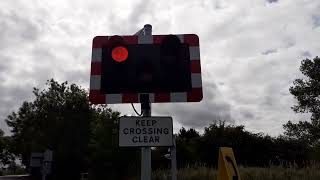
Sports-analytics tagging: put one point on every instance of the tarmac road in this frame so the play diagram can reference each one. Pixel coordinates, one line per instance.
(15, 177)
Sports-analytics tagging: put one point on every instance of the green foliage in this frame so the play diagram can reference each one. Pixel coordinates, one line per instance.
(251, 149)
(6, 156)
(247, 146)
(307, 93)
(82, 136)
(107, 160)
(58, 119)
(187, 146)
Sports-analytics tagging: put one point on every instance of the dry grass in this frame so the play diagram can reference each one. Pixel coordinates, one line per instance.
(247, 173)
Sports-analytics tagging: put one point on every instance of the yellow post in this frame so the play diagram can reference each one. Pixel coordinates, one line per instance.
(227, 165)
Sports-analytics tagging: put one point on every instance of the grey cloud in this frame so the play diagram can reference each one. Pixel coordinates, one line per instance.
(269, 100)
(207, 114)
(316, 21)
(17, 29)
(306, 54)
(272, 1)
(198, 115)
(11, 97)
(269, 51)
(247, 115)
(17, 82)
(210, 91)
(139, 11)
(79, 77)
(273, 92)
(42, 53)
(217, 4)
(284, 93)
(50, 65)
(232, 40)
(289, 42)
(6, 62)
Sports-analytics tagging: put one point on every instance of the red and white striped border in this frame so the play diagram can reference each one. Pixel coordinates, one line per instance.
(195, 95)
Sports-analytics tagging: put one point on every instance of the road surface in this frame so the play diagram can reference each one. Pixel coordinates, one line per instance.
(15, 177)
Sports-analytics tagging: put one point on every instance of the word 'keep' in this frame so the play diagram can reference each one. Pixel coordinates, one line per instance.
(145, 122)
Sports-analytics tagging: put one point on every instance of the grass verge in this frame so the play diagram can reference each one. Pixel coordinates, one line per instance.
(247, 173)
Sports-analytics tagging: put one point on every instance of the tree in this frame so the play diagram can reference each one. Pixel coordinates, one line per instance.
(81, 135)
(106, 159)
(187, 147)
(5, 150)
(307, 93)
(58, 119)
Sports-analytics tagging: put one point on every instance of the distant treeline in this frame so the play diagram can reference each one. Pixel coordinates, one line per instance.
(251, 149)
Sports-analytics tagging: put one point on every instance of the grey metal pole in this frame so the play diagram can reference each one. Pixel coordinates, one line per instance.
(146, 112)
(145, 151)
(145, 31)
(173, 159)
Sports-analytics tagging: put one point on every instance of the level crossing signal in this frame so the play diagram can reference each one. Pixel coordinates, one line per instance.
(167, 67)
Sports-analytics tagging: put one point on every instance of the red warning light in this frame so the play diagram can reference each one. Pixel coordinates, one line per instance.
(119, 54)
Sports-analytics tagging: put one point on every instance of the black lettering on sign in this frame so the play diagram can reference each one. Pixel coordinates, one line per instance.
(157, 139)
(148, 122)
(125, 131)
(131, 130)
(151, 140)
(144, 130)
(134, 139)
(143, 122)
(150, 130)
(154, 122)
(138, 123)
(159, 131)
(146, 139)
(138, 131)
(166, 130)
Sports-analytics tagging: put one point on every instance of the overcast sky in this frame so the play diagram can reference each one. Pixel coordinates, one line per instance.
(250, 52)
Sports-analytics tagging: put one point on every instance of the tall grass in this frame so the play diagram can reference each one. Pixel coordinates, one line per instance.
(311, 172)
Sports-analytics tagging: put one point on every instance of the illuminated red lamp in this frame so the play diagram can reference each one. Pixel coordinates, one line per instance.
(119, 54)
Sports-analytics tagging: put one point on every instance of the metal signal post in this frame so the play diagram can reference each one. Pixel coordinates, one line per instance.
(146, 112)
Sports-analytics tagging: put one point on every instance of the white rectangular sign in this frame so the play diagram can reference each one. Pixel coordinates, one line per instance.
(145, 131)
